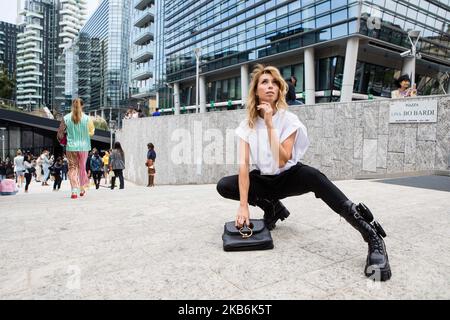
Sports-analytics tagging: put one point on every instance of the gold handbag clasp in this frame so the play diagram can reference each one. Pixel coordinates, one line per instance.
(244, 234)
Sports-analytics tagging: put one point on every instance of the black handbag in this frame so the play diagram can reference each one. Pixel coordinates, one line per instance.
(253, 237)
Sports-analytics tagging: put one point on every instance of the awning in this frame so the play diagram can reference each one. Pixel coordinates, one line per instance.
(45, 123)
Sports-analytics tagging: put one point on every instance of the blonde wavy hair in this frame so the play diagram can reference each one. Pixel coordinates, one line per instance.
(77, 110)
(253, 100)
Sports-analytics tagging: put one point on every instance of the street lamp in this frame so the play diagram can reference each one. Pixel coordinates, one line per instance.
(413, 37)
(3, 143)
(112, 126)
(197, 52)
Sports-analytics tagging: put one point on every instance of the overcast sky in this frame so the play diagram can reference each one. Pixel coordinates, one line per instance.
(8, 12)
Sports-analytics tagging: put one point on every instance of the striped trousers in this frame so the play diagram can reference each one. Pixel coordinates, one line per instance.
(77, 170)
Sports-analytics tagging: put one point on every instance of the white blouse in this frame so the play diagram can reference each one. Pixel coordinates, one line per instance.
(285, 123)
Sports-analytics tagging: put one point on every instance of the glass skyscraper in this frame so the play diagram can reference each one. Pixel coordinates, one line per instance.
(97, 69)
(338, 50)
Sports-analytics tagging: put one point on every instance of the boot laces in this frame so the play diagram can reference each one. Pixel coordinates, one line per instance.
(375, 243)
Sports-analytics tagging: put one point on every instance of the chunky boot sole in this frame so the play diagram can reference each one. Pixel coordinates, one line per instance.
(376, 272)
(281, 215)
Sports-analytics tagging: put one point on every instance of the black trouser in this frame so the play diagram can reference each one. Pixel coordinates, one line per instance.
(299, 179)
(97, 175)
(57, 182)
(117, 173)
(28, 177)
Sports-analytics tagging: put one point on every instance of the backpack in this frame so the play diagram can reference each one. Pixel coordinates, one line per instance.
(96, 163)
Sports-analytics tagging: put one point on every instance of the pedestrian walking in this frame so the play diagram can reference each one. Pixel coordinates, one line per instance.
(56, 170)
(46, 163)
(19, 168)
(96, 165)
(65, 168)
(105, 159)
(80, 128)
(30, 168)
(117, 164)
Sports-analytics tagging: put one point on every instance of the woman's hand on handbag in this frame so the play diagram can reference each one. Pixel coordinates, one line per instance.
(242, 217)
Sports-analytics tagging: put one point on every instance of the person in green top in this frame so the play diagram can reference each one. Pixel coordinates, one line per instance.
(79, 128)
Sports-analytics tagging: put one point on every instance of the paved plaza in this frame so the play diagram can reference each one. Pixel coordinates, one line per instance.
(165, 243)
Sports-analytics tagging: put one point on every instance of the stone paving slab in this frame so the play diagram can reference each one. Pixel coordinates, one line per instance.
(165, 243)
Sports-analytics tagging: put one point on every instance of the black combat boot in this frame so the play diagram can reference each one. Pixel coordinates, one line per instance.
(273, 210)
(360, 217)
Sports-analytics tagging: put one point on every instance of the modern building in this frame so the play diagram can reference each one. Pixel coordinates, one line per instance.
(8, 50)
(164, 98)
(49, 26)
(338, 50)
(142, 51)
(100, 63)
(71, 18)
(36, 54)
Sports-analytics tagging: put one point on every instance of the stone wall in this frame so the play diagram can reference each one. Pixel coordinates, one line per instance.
(348, 140)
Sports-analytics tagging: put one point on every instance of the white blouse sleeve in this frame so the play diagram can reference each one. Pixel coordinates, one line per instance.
(243, 131)
(301, 144)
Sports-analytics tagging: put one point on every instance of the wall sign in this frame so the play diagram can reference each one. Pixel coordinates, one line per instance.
(413, 111)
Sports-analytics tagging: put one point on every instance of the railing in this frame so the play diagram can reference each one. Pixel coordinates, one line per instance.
(148, 30)
(138, 19)
(143, 3)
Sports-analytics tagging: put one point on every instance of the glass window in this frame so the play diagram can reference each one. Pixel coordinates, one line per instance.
(322, 21)
(352, 27)
(339, 16)
(325, 34)
(282, 11)
(323, 7)
(338, 3)
(282, 23)
(295, 18)
(270, 15)
(339, 31)
(294, 6)
(271, 27)
(260, 30)
(308, 13)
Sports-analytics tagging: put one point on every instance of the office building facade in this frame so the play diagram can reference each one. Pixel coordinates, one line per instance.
(8, 50)
(339, 50)
(99, 61)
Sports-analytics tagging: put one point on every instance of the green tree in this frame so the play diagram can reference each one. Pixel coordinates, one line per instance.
(100, 123)
(6, 85)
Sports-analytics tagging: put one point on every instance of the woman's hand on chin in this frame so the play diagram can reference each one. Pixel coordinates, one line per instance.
(267, 111)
